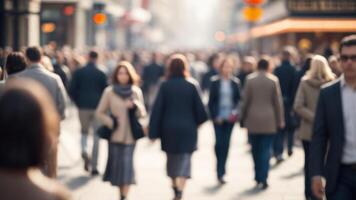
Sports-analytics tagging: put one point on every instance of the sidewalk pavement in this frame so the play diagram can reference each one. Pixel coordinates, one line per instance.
(285, 180)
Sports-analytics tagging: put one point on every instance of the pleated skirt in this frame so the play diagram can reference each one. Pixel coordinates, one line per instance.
(119, 168)
(179, 165)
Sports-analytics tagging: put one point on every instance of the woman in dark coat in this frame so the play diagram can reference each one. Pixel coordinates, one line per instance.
(176, 115)
(223, 106)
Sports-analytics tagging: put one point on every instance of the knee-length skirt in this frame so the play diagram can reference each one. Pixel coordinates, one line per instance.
(179, 165)
(119, 168)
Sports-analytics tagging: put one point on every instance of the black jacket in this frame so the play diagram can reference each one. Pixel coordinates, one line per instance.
(177, 112)
(214, 96)
(87, 85)
(151, 75)
(328, 139)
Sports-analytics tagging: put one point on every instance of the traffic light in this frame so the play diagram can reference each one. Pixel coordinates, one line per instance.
(99, 16)
(252, 12)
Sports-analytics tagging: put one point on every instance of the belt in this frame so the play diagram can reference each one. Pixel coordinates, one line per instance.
(350, 166)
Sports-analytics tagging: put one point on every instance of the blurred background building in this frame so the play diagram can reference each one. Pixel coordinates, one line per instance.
(310, 25)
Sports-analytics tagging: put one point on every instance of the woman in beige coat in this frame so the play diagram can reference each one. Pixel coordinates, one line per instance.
(305, 105)
(262, 113)
(116, 100)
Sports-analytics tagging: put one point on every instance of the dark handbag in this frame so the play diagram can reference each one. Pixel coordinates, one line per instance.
(105, 132)
(136, 127)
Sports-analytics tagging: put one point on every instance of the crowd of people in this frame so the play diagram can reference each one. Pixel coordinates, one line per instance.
(314, 98)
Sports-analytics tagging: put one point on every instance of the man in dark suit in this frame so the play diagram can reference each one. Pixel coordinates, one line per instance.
(287, 76)
(333, 146)
(86, 87)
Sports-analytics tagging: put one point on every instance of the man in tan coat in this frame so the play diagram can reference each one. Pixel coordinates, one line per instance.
(262, 114)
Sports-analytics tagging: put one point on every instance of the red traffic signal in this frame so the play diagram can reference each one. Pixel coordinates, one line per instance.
(99, 18)
(254, 2)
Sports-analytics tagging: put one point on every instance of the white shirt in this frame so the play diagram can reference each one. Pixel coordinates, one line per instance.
(348, 96)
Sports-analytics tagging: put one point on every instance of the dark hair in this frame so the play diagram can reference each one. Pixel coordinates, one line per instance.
(29, 123)
(15, 62)
(212, 58)
(133, 76)
(178, 66)
(263, 64)
(348, 41)
(34, 54)
(93, 55)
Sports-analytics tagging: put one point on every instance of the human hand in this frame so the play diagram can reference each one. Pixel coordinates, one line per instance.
(318, 187)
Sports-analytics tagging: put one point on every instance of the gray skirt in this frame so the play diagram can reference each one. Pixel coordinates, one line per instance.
(179, 165)
(119, 168)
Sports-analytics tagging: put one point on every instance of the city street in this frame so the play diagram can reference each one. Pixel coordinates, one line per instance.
(286, 180)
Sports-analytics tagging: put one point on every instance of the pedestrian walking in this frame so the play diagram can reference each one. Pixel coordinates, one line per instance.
(223, 105)
(54, 86)
(150, 77)
(333, 145)
(287, 76)
(112, 111)
(29, 130)
(213, 64)
(86, 88)
(305, 106)
(262, 113)
(177, 113)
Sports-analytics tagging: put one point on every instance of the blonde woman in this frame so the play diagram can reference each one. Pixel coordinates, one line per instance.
(305, 106)
(117, 99)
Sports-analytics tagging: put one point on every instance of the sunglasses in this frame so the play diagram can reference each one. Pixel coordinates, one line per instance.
(345, 58)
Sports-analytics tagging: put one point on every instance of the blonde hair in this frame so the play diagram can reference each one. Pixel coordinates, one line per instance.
(320, 69)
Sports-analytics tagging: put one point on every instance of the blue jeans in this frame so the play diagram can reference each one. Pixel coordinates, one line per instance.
(261, 153)
(346, 186)
(222, 144)
(278, 142)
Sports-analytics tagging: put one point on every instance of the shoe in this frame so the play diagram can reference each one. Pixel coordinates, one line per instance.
(221, 181)
(290, 153)
(264, 186)
(279, 160)
(94, 172)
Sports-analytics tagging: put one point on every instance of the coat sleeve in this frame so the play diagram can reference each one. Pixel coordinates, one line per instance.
(139, 102)
(156, 115)
(212, 101)
(101, 112)
(73, 87)
(278, 103)
(199, 110)
(61, 97)
(300, 105)
(319, 139)
(246, 97)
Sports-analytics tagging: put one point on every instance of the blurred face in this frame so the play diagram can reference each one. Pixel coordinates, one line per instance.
(216, 62)
(123, 76)
(348, 62)
(227, 69)
(247, 67)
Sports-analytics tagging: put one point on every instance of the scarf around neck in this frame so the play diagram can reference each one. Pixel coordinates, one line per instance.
(123, 91)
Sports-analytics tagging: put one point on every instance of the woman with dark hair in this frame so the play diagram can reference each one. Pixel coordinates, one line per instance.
(262, 113)
(29, 131)
(213, 63)
(15, 62)
(223, 103)
(112, 111)
(177, 113)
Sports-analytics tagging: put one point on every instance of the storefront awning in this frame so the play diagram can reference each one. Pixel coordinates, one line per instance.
(293, 25)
